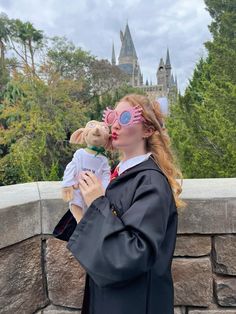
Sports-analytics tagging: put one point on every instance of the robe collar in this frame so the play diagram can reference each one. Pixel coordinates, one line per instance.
(148, 164)
(124, 165)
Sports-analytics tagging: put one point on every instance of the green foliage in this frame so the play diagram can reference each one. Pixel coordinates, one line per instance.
(42, 104)
(38, 120)
(68, 60)
(202, 125)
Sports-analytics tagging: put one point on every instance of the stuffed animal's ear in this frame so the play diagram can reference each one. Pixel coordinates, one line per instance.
(77, 137)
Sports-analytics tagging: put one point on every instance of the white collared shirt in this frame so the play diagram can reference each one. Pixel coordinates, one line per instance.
(124, 165)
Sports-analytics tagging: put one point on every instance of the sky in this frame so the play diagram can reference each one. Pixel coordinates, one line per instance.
(180, 25)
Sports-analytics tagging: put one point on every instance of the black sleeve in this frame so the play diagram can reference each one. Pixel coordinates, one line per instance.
(115, 249)
(65, 227)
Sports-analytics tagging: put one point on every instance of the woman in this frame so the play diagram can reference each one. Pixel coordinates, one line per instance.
(126, 238)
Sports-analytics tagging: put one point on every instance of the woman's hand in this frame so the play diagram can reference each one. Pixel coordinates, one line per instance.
(90, 187)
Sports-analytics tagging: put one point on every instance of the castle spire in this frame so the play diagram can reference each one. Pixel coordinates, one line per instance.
(161, 64)
(128, 60)
(127, 45)
(168, 69)
(113, 57)
(176, 81)
(168, 65)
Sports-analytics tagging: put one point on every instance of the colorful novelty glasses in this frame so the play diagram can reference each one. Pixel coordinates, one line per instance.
(127, 117)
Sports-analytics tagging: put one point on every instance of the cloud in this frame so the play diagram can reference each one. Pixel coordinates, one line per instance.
(155, 25)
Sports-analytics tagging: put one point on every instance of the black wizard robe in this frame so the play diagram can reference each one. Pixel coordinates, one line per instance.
(125, 242)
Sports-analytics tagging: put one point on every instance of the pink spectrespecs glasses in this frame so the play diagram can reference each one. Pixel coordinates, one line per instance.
(126, 117)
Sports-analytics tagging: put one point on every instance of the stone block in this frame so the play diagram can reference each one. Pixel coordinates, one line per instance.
(212, 216)
(225, 290)
(20, 222)
(192, 279)
(179, 310)
(192, 245)
(53, 309)
(65, 275)
(225, 254)
(52, 205)
(22, 285)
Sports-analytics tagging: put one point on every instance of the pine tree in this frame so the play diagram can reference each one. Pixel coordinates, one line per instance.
(203, 123)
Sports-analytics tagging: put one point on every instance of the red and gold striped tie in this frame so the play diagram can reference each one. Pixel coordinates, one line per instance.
(115, 173)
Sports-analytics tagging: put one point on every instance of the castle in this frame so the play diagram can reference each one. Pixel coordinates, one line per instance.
(166, 86)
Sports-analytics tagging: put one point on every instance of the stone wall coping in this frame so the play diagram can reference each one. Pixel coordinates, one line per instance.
(33, 208)
(17, 194)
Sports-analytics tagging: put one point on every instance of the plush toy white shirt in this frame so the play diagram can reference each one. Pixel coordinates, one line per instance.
(85, 161)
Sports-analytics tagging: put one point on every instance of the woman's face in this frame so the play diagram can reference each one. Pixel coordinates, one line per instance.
(126, 137)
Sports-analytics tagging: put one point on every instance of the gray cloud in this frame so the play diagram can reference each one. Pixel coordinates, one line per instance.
(155, 25)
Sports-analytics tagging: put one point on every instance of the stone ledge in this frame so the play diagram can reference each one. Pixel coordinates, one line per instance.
(209, 188)
(29, 209)
(193, 189)
(19, 222)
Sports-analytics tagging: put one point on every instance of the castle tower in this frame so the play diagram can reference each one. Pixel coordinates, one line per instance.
(161, 75)
(128, 60)
(113, 56)
(166, 86)
(168, 69)
(173, 90)
(176, 82)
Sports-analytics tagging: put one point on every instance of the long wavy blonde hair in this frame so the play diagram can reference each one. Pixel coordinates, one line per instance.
(159, 142)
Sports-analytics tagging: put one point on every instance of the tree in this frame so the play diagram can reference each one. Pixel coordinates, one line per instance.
(4, 33)
(203, 122)
(43, 101)
(29, 38)
(97, 76)
(37, 121)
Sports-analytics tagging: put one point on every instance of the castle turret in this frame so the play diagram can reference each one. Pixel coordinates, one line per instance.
(128, 60)
(172, 81)
(176, 84)
(161, 74)
(127, 51)
(113, 56)
(141, 78)
(168, 69)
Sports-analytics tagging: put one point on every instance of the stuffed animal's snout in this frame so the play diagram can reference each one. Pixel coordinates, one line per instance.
(97, 131)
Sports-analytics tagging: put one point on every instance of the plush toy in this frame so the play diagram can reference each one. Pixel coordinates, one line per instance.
(91, 158)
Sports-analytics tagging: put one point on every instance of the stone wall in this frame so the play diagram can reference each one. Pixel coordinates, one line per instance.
(39, 275)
